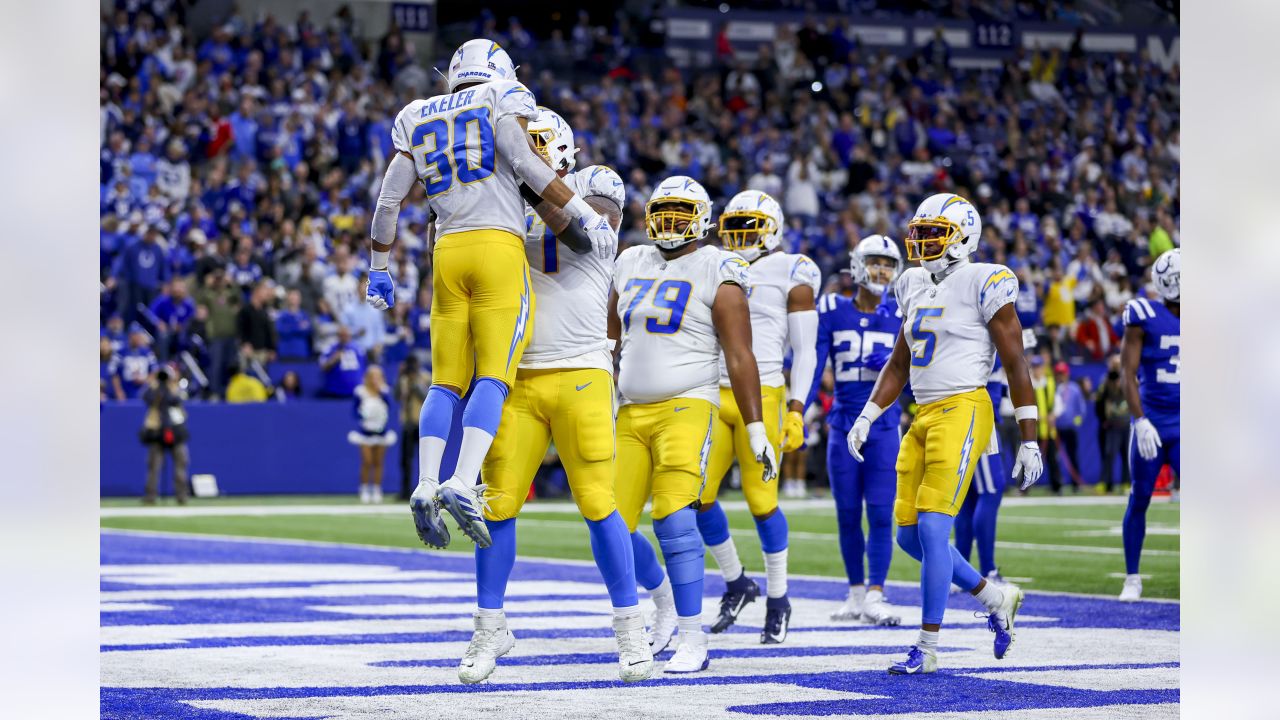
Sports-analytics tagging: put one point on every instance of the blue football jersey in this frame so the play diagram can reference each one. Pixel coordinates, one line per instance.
(858, 345)
(1159, 376)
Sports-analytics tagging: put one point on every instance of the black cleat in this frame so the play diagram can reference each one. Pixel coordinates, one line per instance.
(777, 618)
(737, 595)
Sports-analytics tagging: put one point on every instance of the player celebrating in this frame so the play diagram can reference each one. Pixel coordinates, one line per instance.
(563, 393)
(858, 334)
(669, 306)
(1152, 386)
(470, 150)
(957, 314)
(781, 303)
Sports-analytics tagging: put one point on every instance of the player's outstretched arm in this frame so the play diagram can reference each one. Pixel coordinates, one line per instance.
(732, 319)
(893, 377)
(1006, 332)
(396, 184)
(569, 232)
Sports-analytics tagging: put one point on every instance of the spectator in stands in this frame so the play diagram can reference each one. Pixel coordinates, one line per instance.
(1042, 383)
(342, 287)
(221, 301)
(114, 333)
(290, 386)
(411, 391)
(1095, 333)
(143, 269)
(109, 387)
(244, 387)
(137, 363)
(1069, 409)
(172, 311)
(367, 324)
(373, 433)
(293, 328)
(255, 331)
(1112, 410)
(343, 366)
(1059, 299)
(766, 180)
(420, 326)
(164, 430)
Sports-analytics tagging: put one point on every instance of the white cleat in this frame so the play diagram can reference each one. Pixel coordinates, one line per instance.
(491, 641)
(691, 655)
(665, 622)
(852, 608)
(1132, 588)
(635, 659)
(466, 503)
(877, 611)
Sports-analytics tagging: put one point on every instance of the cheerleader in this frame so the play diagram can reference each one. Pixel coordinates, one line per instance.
(372, 436)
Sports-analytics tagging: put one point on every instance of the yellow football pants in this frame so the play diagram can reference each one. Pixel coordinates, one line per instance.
(662, 452)
(729, 437)
(482, 307)
(573, 408)
(939, 453)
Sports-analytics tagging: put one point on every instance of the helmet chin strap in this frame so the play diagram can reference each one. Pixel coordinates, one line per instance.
(951, 264)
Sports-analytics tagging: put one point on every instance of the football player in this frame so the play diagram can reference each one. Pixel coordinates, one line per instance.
(563, 394)
(781, 300)
(1153, 388)
(956, 316)
(674, 306)
(857, 334)
(470, 150)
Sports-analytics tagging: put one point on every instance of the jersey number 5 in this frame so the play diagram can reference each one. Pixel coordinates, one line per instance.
(922, 340)
(451, 154)
(671, 295)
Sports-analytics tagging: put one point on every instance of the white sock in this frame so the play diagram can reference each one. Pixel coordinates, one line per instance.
(726, 555)
(690, 627)
(991, 596)
(928, 640)
(857, 594)
(662, 595)
(475, 445)
(874, 596)
(775, 573)
(430, 453)
(1133, 578)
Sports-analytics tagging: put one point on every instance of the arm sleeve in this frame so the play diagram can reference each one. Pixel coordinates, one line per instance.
(999, 288)
(822, 349)
(802, 330)
(396, 184)
(513, 144)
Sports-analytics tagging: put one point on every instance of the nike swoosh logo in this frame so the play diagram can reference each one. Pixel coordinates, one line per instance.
(580, 387)
(686, 407)
(638, 662)
(947, 410)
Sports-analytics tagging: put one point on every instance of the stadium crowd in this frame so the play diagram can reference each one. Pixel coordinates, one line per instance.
(239, 170)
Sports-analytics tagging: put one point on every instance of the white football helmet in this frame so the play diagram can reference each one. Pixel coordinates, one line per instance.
(751, 224)
(1166, 275)
(874, 246)
(553, 139)
(685, 214)
(479, 60)
(943, 233)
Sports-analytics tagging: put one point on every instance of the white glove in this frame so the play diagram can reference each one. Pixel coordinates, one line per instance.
(1148, 438)
(604, 239)
(1029, 463)
(857, 436)
(763, 450)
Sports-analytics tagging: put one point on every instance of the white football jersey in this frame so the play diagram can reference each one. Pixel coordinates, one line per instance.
(452, 140)
(773, 276)
(945, 326)
(669, 343)
(570, 328)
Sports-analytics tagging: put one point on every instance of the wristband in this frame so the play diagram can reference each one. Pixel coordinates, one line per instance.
(578, 208)
(871, 412)
(378, 260)
(755, 431)
(1026, 412)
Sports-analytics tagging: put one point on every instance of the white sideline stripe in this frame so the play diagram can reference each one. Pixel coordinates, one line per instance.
(130, 607)
(543, 560)
(1116, 531)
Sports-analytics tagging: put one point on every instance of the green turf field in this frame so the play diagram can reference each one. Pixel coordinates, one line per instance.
(1045, 546)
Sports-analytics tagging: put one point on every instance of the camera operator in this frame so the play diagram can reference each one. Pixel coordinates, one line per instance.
(164, 429)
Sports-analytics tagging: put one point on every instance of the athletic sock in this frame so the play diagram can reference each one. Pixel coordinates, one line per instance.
(928, 639)
(662, 593)
(936, 564)
(775, 572)
(879, 542)
(611, 548)
(690, 627)
(622, 613)
(726, 555)
(648, 571)
(991, 596)
(494, 564)
(434, 421)
(479, 425)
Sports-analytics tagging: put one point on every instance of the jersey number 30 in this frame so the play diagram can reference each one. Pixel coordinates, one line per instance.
(451, 154)
(670, 295)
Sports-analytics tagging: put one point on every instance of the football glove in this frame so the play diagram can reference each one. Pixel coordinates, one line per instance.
(1149, 442)
(1029, 463)
(763, 450)
(382, 291)
(858, 435)
(604, 239)
(877, 359)
(792, 431)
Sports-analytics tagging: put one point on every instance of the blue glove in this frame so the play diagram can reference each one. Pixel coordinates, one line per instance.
(878, 359)
(382, 292)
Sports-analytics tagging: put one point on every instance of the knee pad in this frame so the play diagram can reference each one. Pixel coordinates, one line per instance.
(436, 415)
(681, 545)
(713, 524)
(909, 541)
(772, 532)
(484, 409)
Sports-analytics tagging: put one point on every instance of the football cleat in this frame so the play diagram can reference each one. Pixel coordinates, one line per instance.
(737, 595)
(852, 608)
(426, 515)
(777, 618)
(1132, 589)
(664, 624)
(995, 577)
(467, 506)
(491, 641)
(691, 655)
(1000, 622)
(919, 661)
(878, 611)
(635, 658)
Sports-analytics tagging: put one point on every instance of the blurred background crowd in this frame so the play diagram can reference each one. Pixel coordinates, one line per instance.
(239, 169)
